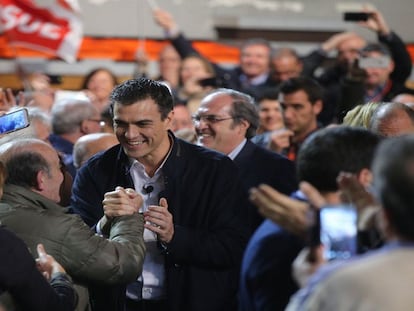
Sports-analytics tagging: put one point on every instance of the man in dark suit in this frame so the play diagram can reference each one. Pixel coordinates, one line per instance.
(194, 205)
(225, 122)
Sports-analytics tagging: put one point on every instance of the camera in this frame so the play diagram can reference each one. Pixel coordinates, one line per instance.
(356, 16)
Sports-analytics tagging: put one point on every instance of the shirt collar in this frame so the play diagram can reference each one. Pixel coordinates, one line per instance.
(256, 80)
(134, 162)
(233, 154)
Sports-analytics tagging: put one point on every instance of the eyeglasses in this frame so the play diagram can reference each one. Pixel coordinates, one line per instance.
(209, 118)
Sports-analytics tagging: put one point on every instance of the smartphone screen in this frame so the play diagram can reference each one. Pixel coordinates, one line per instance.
(338, 225)
(14, 120)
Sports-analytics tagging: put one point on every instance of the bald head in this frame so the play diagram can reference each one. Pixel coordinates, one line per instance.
(89, 145)
(392, 119)
(285, 64)
(34, 165)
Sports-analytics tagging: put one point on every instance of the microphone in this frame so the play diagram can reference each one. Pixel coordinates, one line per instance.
(147, 189)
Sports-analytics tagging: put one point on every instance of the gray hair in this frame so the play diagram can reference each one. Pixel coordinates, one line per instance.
(244, 108)
(67, 115)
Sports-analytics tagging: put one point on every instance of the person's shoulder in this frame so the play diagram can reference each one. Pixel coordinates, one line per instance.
(267, 230)
(194, 151)
(340, 270)
(270, 155)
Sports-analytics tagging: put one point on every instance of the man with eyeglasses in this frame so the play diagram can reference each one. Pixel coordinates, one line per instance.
(225, 122)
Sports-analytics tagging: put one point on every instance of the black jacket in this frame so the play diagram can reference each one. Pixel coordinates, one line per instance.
(209, 212)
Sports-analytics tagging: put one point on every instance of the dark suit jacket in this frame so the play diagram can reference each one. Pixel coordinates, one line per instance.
(208, 205)
(261, 166)
(266, 283)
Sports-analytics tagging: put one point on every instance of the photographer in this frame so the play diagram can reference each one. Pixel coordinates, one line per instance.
(370, 79)
(342, 77)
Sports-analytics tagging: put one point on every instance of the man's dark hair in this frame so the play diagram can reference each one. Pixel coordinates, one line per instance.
(270, 94)
(329, 151)
(308, 85)
(131, 91)
(393, 171)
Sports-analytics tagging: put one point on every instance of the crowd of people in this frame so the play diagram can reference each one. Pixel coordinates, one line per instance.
(198, 189)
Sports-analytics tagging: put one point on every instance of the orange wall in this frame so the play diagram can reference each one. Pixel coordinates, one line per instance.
(124, 50)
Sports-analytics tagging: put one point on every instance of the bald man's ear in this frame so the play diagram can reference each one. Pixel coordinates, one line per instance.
(40, 180)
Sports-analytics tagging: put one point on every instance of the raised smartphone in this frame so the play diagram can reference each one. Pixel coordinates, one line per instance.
(338, 231)
(356, 16)
(14, 121)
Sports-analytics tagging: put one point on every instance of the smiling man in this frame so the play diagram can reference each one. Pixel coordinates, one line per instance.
(194, 205)
(225, 122)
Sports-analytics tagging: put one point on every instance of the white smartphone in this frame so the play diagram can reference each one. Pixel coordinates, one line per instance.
(338, 231)
(14, 121)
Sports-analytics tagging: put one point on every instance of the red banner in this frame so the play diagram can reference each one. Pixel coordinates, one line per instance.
(56, 29)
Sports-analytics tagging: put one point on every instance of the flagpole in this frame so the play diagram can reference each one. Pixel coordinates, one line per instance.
(140, 54)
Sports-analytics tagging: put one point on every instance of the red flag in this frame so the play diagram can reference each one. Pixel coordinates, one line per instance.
(56, 29)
